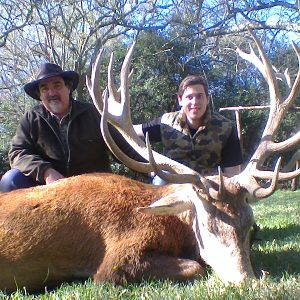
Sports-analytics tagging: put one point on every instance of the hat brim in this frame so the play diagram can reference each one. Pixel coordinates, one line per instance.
(32, 87)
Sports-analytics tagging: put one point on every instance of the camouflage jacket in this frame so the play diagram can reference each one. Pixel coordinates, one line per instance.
(202, 151)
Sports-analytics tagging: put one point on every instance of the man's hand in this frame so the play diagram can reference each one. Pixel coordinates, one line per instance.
(52, 175)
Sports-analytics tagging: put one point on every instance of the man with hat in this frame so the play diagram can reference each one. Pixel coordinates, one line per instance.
(59, 137)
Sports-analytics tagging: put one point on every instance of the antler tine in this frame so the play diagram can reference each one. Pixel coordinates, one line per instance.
(284, 77)
(115, 114)
(217, 194)
(273, 86)
(125, 99)
(288, 78)
(281, 175)
(263, 65)
(261, 192)
(221, 183)
(252, 57)
(119, 103)
(286, 173)
(111, 85)
(110, 80)
(294, 89)
(129, 162)
(94, 89)
(285, 145)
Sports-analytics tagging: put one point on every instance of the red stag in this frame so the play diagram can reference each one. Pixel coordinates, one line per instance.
(109, 227)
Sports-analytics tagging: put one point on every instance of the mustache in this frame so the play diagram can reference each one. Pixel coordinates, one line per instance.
(53, 98)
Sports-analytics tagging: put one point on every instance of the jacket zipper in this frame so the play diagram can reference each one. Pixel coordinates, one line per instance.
(60, 142)
(68, 146)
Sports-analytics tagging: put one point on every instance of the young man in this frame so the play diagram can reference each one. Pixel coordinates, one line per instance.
(59, 137)
(194, 136)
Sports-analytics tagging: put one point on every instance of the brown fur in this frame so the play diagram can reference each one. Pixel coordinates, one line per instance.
(88, 226)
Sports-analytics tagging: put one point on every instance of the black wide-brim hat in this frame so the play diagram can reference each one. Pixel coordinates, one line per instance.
(48, 70)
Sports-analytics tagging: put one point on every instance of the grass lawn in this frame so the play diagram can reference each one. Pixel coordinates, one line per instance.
(277, 254)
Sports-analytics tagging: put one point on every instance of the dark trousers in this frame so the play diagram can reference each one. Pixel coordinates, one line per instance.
(15, 179)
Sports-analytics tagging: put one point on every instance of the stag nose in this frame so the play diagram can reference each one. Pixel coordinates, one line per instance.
(244, 278)
(236, 269)
(239, 279)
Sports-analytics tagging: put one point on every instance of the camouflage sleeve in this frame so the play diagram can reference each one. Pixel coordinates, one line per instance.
(231, 152)
(153, 129)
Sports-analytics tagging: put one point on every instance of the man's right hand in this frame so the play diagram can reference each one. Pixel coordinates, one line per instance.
(52, 175)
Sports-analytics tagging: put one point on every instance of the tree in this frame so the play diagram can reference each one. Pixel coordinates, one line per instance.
(14, 17)
(217, 18)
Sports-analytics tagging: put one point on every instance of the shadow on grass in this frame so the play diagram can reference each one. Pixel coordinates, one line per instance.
(276, 262)
(269, 234)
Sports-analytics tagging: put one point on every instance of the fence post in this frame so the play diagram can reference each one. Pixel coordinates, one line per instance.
(239, 127)
(295, 180)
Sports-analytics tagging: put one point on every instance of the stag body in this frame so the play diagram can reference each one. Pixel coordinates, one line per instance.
(81, 227)
(87, 226)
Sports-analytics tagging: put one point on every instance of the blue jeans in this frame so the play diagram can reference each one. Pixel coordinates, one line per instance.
(158, 181)
(15, 179)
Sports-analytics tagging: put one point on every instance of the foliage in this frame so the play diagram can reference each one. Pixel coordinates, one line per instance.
(4, 165)
(157, 75)
(277, 254)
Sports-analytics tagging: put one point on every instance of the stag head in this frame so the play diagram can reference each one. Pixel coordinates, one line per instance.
(220, 205)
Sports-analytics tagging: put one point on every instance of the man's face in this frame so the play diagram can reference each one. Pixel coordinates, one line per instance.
(55, 95)
(194, 102)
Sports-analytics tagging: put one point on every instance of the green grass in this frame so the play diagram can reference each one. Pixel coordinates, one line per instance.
(277, 254)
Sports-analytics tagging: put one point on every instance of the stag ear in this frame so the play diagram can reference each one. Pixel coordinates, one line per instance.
(168, 205)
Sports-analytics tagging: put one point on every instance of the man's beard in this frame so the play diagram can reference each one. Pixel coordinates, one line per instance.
(56, 106)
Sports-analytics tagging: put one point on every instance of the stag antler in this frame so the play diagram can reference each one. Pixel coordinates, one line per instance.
(278, 108)
(116, 110)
